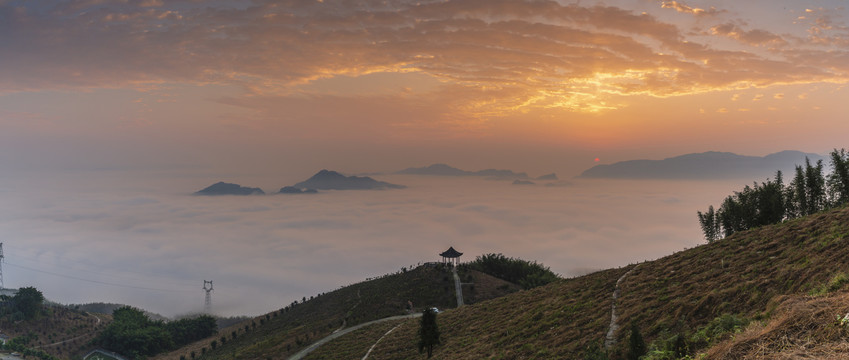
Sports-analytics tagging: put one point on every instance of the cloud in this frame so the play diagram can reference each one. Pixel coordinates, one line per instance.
(280, 248)
(756, 37)
(492, 57)
(683, 8)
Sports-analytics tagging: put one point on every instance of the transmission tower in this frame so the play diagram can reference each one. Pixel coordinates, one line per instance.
(1, 267)
(207, 305)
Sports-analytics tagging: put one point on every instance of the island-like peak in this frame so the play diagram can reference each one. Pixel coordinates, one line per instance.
(332, 180)
(223, 188)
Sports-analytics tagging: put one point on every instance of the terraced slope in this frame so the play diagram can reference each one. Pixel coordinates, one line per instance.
(284, 332)
(59, 331)
(762, 277)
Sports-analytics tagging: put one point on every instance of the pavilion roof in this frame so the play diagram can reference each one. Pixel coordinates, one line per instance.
(451, 253)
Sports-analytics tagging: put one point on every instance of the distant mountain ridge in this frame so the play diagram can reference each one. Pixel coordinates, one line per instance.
(447, 170)
(706, 165)
(223, 188)
(332, 180)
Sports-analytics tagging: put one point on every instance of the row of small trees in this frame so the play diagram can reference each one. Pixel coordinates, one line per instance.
(771, 202)
(134, 334)
(527, 274)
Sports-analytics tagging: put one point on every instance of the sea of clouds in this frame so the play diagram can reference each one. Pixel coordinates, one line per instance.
(142, 239)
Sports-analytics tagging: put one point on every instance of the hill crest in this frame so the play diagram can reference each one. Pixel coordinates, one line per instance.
(706, 165)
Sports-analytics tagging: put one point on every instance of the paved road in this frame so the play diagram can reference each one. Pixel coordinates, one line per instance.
(315, 345)
(610, 339)
(458, 290)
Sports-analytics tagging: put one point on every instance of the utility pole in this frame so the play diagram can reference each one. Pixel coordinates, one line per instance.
(1, 266)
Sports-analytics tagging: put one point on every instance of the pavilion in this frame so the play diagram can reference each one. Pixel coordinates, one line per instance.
(451, 256)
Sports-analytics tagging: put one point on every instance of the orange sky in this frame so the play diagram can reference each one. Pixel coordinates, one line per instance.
(311, 84)
(113, 111)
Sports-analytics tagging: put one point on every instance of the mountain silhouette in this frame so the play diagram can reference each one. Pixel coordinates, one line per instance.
(332, 180)
(223, 188)
(706, 165)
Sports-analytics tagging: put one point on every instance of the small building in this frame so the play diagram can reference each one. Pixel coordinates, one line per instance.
(451, 256)
(100, 354)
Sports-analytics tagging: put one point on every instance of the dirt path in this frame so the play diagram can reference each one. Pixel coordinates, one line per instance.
(378, 341)
(610, 339)
(71, 339)
(458, 289)
(300, 354)
(345, 320)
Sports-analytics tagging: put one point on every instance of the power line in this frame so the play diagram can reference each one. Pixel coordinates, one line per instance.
(112, 274)
(94, 281)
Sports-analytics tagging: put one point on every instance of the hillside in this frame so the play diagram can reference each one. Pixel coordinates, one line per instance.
(59, 331)
(288, 330)
(707, 165)
(761, 277)
(332, 180)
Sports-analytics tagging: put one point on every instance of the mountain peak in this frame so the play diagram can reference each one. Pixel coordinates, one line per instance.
(332, 180)
(705, 165)
(223, 188)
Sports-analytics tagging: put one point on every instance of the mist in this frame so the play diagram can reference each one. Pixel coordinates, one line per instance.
(142, 239)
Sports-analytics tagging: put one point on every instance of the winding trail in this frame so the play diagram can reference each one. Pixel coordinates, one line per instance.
(458, 289)
(378, 341)
(300, 354)
(71, 339)
(345, 320)
(610, 339)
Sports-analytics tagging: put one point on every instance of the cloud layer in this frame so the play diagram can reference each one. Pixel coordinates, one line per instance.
(98, 241)
(502, 55)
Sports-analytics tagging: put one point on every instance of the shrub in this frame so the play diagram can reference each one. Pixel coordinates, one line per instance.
(525, 273)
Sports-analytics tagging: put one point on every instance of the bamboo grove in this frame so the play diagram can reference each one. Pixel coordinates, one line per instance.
(770, 202)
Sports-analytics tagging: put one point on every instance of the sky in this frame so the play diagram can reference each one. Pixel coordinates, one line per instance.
(112, 111)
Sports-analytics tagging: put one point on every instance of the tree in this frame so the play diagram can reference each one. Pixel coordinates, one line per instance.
(522, 272)
(798, 202)
(28, 301)
(710, 224)
(429, 332)
(838, 180)
(815, 184)
(679, 346)
(636, 344)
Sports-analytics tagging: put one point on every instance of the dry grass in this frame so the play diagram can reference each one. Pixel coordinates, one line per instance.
(356, 344)
(739, 275)
(802, 327)
(478, 286)
(552, 322)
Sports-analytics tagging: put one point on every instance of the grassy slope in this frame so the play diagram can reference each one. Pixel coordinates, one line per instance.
(737, 275)
(554, 321)
(801, 327)
(357, 343)
(283, 333)
(754, 274)
(759, 274)
(58, 324)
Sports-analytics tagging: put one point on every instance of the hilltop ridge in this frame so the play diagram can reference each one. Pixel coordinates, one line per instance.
(701, 295)
(706, 165)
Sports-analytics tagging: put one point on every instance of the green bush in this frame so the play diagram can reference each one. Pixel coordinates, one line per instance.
(717, 329)
(525, 273)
